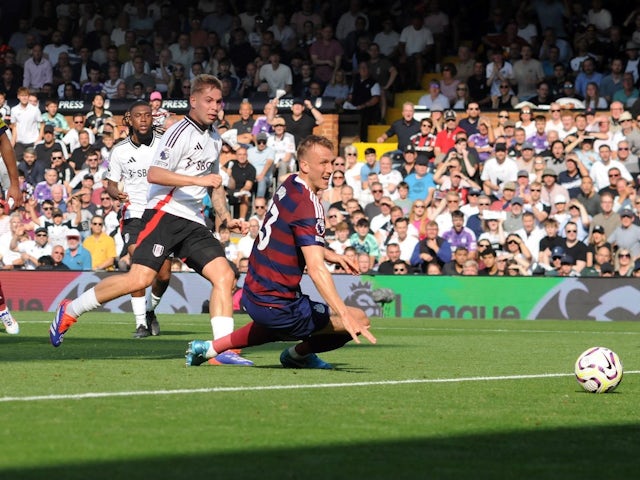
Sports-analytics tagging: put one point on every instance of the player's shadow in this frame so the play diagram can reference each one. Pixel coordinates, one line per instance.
(532, 454)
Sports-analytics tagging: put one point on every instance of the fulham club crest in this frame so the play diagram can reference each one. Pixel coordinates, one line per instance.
(158, 250)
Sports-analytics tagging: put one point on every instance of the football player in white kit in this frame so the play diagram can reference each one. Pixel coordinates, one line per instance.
(129, 163)
(184, 167)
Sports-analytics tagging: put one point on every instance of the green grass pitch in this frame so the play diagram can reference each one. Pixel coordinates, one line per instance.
(441, 399)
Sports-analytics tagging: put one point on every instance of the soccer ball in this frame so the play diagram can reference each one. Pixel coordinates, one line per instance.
(598, 370)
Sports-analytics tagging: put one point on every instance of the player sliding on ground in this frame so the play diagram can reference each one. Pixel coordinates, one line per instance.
(292, 237)
(180, 175)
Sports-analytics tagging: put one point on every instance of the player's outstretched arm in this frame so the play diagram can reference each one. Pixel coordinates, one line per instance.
(347, 265)
(314, 256)
(162, 176)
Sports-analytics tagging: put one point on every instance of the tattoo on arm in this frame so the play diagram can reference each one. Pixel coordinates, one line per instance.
(219, 202)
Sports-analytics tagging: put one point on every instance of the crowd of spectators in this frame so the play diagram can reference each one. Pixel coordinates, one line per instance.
(463, 194)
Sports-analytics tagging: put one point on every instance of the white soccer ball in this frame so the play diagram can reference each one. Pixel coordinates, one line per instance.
(598, 370)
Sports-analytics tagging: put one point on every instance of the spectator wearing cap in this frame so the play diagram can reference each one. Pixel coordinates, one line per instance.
(498, 170)
(503, 204)
(551, 190)
(561, 213)
(284, 147)
(568, 267)
(158, 113)
(446, 138)
(434, 98)
(523, 185)
(627, 234)
(525, 160)
(409, 157)
(262, 158)
(513, 216)
(32, 250)
(555, 261)
(597, 239)
(607, 217)
(630, 132)
(76, 257)
(404, 128)
(48, 144)
(568, 92)
(303, 119)
(571, 177)
(420, 181)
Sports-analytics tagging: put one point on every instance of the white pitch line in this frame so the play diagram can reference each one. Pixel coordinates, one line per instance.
(83, 396)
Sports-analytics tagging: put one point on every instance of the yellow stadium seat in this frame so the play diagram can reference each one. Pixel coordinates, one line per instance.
(374, 131)
(407, 96)
(393, 114)
(427, 77)
(450, 59)
(380, 148)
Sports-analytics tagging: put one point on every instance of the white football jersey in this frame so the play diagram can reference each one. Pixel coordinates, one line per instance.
(187, 149)
(129, 163)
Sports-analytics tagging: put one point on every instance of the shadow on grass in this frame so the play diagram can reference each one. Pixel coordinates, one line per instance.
(37, 349)
(607, 452)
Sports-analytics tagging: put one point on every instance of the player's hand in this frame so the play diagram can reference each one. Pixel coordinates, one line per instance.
(212, 180)
(238, 226)
(348, 265)
(123, 197)
(355, 328)
(15, 194)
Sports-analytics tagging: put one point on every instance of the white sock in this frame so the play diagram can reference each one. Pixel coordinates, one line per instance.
(210, 351)
(84, 303)
(138, 305)
(221, 326)
(295, 355)
(153, 302)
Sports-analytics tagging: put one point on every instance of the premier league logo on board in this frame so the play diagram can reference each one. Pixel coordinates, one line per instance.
(158, 250)
(590, 300)
(360, 297)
